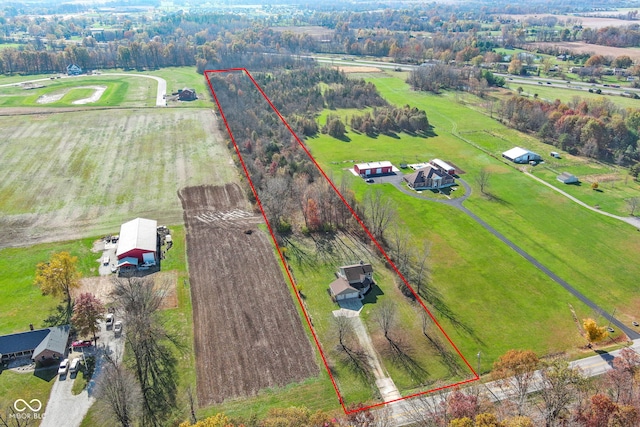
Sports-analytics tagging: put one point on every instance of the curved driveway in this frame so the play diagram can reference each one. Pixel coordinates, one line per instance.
(457, 203)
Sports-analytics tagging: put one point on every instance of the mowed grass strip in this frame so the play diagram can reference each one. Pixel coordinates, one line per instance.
(72, 174)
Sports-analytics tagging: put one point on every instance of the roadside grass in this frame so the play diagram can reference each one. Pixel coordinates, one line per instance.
(27, 386)
(314, 393)
(21, 302)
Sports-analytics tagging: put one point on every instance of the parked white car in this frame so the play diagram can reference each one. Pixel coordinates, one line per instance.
(109, 320)
(64, 367)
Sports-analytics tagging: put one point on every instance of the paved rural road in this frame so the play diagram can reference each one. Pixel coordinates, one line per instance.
(160, 93)
(65, 409)
(411, 411)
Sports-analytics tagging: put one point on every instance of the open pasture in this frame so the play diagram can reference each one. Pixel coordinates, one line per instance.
(70, 175)
(487, 284)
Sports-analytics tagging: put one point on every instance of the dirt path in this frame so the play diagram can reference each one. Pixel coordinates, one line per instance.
(388, 390)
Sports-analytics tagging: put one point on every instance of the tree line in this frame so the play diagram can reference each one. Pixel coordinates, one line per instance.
(592, 128)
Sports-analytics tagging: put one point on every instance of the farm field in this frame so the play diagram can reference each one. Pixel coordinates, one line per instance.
(248, 335)
(563, 236)
(567, 95)
(581, 47)
(89, 179)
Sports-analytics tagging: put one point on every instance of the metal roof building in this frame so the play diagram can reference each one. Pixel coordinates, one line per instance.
(137, 238)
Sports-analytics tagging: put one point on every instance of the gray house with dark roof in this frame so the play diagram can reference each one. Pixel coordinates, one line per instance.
(429, 178)
(353, 281)
(42, 344)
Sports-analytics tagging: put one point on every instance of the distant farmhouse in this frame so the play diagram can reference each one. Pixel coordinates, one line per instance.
(73, 70)
(138, 243)
(567, 178)
(187, 94)
(41, 345)
(429, 178)
(373, 168)
(353, 281)
(520, 155)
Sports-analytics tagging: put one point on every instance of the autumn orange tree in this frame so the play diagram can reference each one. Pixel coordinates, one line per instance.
(514, 371)
(58, 277)
(594, 332)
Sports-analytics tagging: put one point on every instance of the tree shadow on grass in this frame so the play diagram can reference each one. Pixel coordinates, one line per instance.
(450, 359)
(433, 297)
(401, 356)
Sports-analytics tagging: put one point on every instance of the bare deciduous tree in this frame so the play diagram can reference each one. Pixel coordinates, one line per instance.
(633, 203)
(154, 365)
(118, 393)
(385, 316)
(560, 383)
(379, 212)
(482, 179)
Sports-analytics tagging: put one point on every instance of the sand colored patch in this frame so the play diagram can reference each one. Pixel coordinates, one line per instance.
(356, 69)
(99, 90)
(49, 98)
(102, 287)
(594, 22)
(579, 47)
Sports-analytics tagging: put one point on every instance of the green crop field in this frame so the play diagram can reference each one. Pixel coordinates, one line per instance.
(550, 94)
(505, 301)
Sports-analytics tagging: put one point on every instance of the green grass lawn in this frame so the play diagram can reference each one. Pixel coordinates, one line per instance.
(26, 386)
(550, 94)
(21, 302)
(498, 300)
(181, 77)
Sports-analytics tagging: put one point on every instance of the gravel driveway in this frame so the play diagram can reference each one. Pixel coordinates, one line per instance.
(65, 409)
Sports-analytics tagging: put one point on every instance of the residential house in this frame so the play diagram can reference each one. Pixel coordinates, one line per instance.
(429, 178)
(353, 281)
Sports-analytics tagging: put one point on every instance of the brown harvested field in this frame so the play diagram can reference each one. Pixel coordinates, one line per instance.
(580, 47)
(247, 331)
(594, 22)
(314, 31)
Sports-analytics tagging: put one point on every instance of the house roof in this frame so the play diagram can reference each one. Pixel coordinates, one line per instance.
(55, 341)
(566, 176)
(139, 233)
(422, 175)
(356, 272)
(374, 165)
(341, 286)
(22, 341)
(442, 164)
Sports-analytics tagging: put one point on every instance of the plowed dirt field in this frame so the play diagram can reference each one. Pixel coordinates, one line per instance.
(248, 335)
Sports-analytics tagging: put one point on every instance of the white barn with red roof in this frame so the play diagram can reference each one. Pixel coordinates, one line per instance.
(138, 243)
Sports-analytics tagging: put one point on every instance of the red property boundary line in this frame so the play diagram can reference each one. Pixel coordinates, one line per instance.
(364, 227)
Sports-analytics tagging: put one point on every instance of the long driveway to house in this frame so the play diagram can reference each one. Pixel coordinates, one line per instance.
(65, 409)
(457, 203)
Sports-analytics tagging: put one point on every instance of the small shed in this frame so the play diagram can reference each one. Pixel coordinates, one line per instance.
(567, 178)
(520, 155)
(373, 168)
